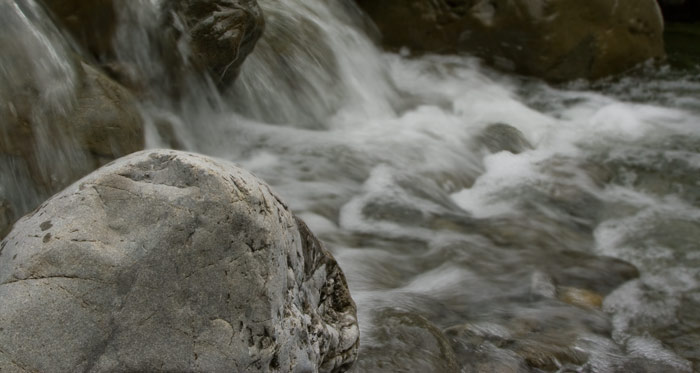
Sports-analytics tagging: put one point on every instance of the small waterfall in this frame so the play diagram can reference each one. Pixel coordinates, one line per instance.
(39, 76)
(318, 63)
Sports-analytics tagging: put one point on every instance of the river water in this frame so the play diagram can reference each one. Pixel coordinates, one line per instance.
(484, 221)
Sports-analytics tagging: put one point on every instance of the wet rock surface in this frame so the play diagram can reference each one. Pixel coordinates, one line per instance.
(91, 22)
(5, 218)
(219, 34)
(406, 342)
(499, 137)
(556, 41)
(170, 261)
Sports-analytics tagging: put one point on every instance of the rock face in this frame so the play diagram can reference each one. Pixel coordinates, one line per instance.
(170, 261)
(91, 22)
(220, 33)
(556, 40)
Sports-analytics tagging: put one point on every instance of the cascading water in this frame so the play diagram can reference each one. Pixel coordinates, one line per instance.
(476, 215)
(38, 80)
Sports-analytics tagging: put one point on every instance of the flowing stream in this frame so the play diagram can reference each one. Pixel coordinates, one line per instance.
(531, 226)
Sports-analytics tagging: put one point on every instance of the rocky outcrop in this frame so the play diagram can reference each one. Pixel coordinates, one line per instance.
(219, 34)
(170, 261)
(91, 22)
(557, 41)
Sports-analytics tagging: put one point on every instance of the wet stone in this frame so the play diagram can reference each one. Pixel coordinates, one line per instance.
(171, 261)
(499, 137)
(405, 342)
(6, 218)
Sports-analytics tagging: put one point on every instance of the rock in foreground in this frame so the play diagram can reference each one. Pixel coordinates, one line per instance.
(554, 40)
(170, 261)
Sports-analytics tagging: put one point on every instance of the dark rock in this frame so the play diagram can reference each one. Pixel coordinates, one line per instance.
(170, 261)
(91, 22)
(557, 41)
(6, 218)
(499, 137)
(219, 33)
(406, 342)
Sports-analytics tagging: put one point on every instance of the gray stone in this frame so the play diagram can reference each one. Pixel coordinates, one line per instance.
(170, 261)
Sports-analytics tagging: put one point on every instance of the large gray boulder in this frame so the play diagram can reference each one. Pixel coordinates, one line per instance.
(556, 40)
(170, 261)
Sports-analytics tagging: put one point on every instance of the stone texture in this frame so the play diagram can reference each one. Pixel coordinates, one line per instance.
(219, 33)
(170, 261)
(556, 40)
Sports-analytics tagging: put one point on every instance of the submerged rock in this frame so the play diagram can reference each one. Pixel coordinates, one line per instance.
(170, 261)
(406, 342)
(499, 137)
(556, 41)
(219, 34)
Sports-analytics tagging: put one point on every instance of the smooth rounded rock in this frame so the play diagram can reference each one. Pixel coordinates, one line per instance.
(171, 261)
